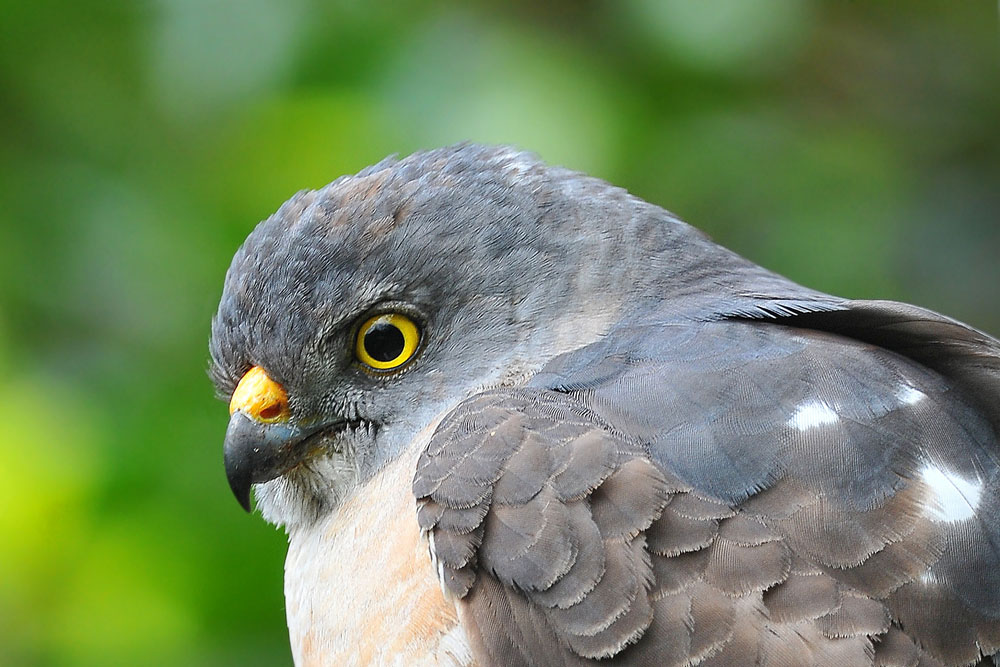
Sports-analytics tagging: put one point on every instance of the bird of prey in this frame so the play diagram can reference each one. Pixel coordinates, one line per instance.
(512, 415)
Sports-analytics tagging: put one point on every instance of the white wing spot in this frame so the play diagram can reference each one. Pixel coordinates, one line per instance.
(812, 414)
(955, 498)
(908, 395)
(432, 548)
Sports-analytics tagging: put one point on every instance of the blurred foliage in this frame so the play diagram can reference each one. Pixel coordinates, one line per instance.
(853, 146)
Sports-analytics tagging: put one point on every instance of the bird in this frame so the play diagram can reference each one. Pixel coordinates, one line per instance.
(511, 414)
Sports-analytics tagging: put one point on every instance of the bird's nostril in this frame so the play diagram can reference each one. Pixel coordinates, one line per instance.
(272, 411)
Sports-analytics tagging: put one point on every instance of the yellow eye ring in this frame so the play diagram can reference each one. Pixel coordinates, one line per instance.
(387, 341)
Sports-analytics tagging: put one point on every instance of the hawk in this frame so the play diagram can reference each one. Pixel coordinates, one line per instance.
(509, 414)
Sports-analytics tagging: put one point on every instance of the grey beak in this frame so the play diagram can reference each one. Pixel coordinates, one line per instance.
(256, 452)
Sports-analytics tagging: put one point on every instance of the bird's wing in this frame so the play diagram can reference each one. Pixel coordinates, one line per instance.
(726, 492)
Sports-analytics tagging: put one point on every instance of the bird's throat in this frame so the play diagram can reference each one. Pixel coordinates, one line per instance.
(359, 584)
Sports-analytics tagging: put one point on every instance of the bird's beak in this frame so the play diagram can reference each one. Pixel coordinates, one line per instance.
(261, 441)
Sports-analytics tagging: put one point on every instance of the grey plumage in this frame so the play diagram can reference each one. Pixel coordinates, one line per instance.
(653, 451)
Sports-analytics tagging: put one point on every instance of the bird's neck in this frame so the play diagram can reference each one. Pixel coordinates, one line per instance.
(359, 584)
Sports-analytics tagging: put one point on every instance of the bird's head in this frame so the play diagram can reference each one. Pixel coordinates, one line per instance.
(357, 313)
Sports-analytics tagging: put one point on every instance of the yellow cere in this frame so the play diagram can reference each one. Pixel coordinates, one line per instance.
(260, 397)
(387, 341)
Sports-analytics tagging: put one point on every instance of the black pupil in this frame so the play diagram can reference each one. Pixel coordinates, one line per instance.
(384, 342)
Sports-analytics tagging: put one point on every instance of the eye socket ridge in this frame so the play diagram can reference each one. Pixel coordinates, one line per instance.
(387, 341)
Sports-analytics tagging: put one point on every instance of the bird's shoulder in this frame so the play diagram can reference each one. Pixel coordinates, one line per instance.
(701, 492)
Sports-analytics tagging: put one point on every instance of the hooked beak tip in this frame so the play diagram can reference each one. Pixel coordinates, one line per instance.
(240, 480)
(257, 452)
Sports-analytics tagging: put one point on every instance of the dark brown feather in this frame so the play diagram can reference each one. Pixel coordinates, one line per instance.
(587, 461)
(737, 570)
(856, 616)
(673, 533)
(629, 500)
(895, 649)
(802, 597)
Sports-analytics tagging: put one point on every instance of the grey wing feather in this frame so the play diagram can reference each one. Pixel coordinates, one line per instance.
(731, 492)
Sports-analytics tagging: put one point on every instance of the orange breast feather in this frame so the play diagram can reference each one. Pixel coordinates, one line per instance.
(360, 588)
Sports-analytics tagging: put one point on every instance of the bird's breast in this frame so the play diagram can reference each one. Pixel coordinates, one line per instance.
(360, 587)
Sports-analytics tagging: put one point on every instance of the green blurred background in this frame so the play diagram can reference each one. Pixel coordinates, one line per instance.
(852, 146)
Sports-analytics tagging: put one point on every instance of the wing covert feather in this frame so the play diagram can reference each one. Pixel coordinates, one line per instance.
(734, 493)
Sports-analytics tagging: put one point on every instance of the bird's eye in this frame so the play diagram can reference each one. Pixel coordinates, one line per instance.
(387, 341)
